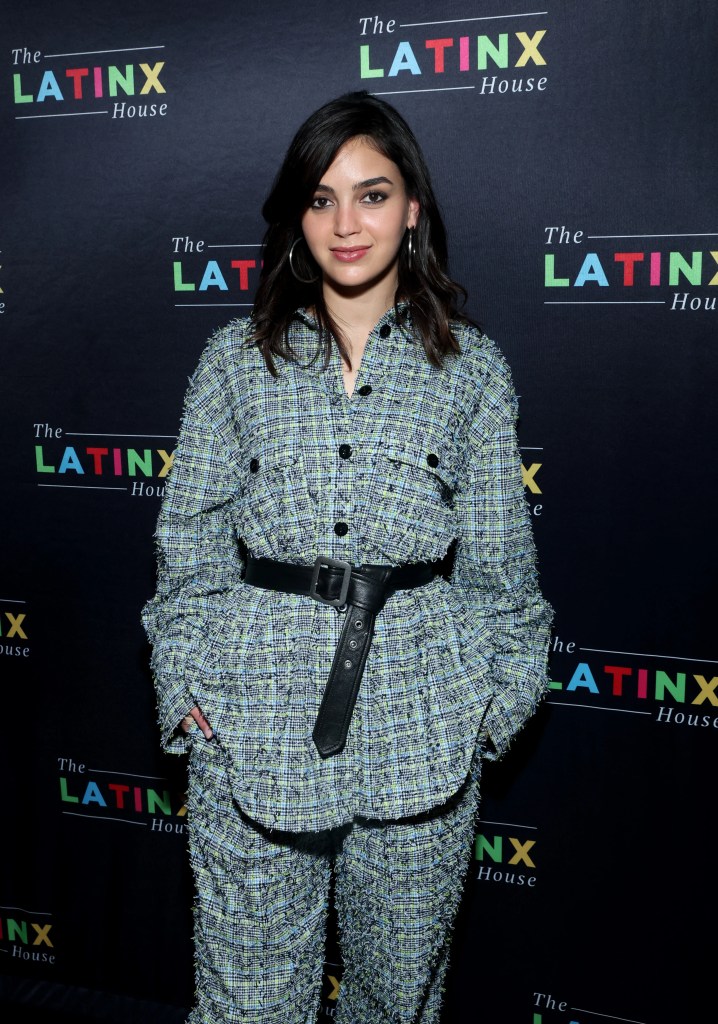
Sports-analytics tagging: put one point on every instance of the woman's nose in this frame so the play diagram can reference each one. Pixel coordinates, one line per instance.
(346, 221)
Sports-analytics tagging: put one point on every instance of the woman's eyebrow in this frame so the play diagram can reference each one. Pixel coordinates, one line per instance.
(360, 184)
(372, 181)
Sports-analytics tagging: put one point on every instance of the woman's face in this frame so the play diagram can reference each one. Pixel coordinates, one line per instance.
(356, 221)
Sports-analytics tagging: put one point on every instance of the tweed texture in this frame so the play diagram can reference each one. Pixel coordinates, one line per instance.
(261, 909)
(457, 664)
(398, 886)
(260, 912)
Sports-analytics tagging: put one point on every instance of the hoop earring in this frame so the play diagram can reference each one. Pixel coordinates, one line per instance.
(302, 280)
(410, 249)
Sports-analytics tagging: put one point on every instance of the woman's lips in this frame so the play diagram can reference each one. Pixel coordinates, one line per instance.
(350, 255)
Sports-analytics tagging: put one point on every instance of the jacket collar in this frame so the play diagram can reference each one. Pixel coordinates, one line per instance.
(382, 356)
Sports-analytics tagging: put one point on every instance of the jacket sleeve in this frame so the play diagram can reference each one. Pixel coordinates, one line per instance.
(198, 559)
(495, 562)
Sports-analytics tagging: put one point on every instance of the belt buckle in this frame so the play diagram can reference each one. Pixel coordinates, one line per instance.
(324, 562)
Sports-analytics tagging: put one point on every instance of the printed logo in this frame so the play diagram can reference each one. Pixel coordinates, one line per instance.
(548, 1002)
(494, 55)
(582, 269)
(120, 797)
(89, 82)
(530, 469)
(676, 691)
(331, 983)
(27, 935)
(106, 463)
(204, 278)
(504, 857)
(553, 1009)
(14, 628)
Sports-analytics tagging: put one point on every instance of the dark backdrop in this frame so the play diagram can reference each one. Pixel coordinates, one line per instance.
(574, 154)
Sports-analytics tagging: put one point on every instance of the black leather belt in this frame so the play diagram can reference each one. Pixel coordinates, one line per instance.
(361, 593)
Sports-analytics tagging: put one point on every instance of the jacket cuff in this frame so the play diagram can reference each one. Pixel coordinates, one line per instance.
(507, 715)
(171, 709)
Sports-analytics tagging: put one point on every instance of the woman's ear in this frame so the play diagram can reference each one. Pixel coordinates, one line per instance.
(413, 213)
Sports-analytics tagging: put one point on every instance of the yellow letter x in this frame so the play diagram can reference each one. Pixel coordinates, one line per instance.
(151, 76)
(15, 622)
(714, 279)
(168, 460)
(708, 690)
(528, 476)
(530, 48)
(42, 935)
(522, 851)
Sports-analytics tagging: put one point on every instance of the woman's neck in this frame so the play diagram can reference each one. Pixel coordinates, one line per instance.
(356, 313)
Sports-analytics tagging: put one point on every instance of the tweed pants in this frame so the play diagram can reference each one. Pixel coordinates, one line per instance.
(262, 901)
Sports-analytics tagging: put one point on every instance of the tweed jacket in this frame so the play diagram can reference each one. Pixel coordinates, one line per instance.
(415, 461)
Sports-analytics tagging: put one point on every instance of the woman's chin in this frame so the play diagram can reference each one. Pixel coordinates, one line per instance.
(355, 282)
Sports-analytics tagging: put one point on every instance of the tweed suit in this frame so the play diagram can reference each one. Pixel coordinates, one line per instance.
(417, 460)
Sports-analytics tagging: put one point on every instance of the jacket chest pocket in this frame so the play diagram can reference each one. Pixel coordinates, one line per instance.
(276, 505)
(424, 471)
(416, 482)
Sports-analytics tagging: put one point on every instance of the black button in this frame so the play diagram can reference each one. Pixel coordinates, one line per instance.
(433, 460)
(345, 450)
(254, 465)
(341, 528)
(364, 390)
(385, 330)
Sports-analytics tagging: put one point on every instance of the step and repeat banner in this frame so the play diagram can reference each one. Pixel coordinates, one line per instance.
(574, 153)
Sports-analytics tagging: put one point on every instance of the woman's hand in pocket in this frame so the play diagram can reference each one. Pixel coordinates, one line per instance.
(195, 717)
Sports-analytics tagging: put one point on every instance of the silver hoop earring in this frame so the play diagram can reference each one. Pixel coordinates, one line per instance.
(410, 249)
(302, 280)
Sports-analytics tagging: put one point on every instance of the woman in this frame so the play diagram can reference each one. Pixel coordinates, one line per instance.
(347, 616)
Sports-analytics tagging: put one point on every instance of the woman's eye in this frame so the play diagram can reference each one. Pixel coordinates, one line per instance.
(372, 198)
(320, 202)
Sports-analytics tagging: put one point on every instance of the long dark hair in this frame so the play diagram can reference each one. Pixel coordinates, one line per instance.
(433, 298)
